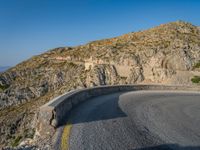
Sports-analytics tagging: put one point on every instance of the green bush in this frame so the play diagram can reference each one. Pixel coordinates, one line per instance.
(196, 79)
(3, 87)
(197, 65)
(16, 141)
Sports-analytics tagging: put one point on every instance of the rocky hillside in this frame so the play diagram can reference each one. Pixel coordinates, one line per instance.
(169, 54)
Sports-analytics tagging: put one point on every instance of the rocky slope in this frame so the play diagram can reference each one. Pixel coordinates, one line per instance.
(168, 54)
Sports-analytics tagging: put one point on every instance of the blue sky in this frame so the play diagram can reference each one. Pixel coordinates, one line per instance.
(31, 27)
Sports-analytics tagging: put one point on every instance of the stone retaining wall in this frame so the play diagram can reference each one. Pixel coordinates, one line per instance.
(53, 114)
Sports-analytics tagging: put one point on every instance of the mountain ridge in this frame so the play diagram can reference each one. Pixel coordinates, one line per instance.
(164, 54)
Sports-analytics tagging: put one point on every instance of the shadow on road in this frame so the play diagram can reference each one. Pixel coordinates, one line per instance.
(96, 109)
(169, 147)
(104, 108)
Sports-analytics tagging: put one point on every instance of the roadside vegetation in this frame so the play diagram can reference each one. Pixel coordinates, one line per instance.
(3, 87)
(196, 79)
(16, 141)
(197, 65)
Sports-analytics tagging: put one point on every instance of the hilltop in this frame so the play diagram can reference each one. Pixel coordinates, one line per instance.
(167, 54)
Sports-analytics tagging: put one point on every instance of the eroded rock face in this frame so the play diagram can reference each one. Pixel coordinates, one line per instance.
(164, 54)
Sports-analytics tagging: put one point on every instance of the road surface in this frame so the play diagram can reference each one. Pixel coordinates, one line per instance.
(139, 120)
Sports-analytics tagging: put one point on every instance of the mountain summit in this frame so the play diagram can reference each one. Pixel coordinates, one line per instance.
(167, 54)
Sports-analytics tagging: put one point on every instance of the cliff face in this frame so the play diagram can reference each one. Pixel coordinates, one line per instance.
(164, 54)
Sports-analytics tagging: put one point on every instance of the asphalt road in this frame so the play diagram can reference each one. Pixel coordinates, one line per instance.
(141, 120)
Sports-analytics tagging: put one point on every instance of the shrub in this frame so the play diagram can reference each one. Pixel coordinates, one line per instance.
(16, 141)
(196, 79)
(3, 87)
(197, 65)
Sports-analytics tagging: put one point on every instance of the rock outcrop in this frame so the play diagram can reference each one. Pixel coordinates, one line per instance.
(164, 54)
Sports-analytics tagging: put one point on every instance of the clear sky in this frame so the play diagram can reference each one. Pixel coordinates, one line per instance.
(30, 27)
